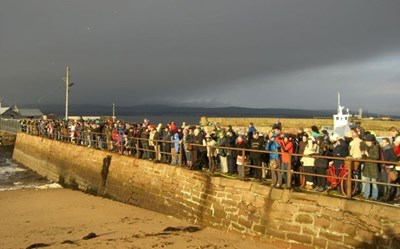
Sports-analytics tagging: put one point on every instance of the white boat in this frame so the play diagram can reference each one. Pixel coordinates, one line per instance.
(341, 121)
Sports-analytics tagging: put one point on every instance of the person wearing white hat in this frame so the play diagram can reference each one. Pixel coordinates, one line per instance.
(308, 162)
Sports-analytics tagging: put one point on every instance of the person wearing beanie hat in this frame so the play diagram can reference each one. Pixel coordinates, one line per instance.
(370, 138)
(370, 171)
(274, 145)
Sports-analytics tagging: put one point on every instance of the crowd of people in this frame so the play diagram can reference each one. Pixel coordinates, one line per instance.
(226, 150)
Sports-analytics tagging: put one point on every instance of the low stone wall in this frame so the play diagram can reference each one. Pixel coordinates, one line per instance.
(304, 219)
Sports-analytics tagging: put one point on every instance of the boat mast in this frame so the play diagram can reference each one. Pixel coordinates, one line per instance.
(113, 111)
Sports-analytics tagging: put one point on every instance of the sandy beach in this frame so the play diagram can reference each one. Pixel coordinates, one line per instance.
(61, 218)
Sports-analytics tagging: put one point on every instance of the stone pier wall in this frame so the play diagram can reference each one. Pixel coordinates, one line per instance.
(305, 220)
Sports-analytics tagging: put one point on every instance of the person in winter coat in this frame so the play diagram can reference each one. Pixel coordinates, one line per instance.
(321, 164)
(286, 148)
(308, 162)
(240, 144)
(370, 171)
(165, 146)
(222, 152)
(396, 147)
(175, 149)
(231, 159)
(201, 160)
(211, 152)
(257, 143)
(387, 154)
(339, 148)
(274, 145)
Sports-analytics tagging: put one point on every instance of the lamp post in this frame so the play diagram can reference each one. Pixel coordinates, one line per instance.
(67, 86)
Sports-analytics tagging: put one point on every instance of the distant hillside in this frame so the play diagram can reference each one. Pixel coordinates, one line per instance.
(163, 110)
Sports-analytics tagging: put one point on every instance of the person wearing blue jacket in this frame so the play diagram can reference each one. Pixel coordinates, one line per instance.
(274, 145)
(175, 150)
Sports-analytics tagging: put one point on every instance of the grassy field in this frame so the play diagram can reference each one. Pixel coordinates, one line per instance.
(379, 127)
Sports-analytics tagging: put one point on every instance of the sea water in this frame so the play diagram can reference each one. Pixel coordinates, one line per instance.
(15, 176)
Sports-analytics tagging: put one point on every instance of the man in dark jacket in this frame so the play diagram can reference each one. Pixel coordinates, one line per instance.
(387, 154)
(371, 170)
(339, 148)
(257, 143)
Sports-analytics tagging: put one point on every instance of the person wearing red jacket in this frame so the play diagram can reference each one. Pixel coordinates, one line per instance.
(286, 149)
(396, 147)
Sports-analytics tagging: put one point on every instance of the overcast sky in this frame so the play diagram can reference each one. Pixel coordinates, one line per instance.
(214, 53)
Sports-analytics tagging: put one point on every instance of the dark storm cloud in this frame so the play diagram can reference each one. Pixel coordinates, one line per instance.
(195, 52)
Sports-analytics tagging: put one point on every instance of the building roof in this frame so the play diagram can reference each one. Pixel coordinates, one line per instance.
(30, 112)
(3, 110)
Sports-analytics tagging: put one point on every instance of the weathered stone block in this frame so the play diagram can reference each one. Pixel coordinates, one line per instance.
(258, 229)
(306, 239)
(295, 196)
(287, 207)
(351, 241)
(290, 227)
(331, 236)
(254, 218)
(309, 230)
(248, 197)
(341, 227)
(366, 236)
(294, 245)
(238, 227)
(276, 194)
(322, 222)
(335, 245)
(259, 201)
(313, 208)
(260, 189)
(235, 184)
(391, 230)
(372, 224)
(229, 203)
(281, 215)
(333, 203)
(329, 213)
(268, 222)
(233, 210)
(304, 219)
(320, 243)
(276, 233)
(246, 223)
(219, 213)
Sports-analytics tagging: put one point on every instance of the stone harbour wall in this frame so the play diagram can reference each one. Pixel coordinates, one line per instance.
(305, 220)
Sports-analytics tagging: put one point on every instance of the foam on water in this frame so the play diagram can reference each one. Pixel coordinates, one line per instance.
(14, 176)
(19, 186)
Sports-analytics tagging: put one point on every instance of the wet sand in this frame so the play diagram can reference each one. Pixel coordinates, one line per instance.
(61, 218)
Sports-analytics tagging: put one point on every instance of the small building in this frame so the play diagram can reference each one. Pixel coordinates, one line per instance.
(17, 113)
(3, 111)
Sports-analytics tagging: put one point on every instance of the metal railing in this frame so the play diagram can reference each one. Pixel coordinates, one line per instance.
(156, 149)
(10, 125)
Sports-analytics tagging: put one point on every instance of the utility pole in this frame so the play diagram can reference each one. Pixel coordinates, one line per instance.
(113, 112)
(66, 93)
